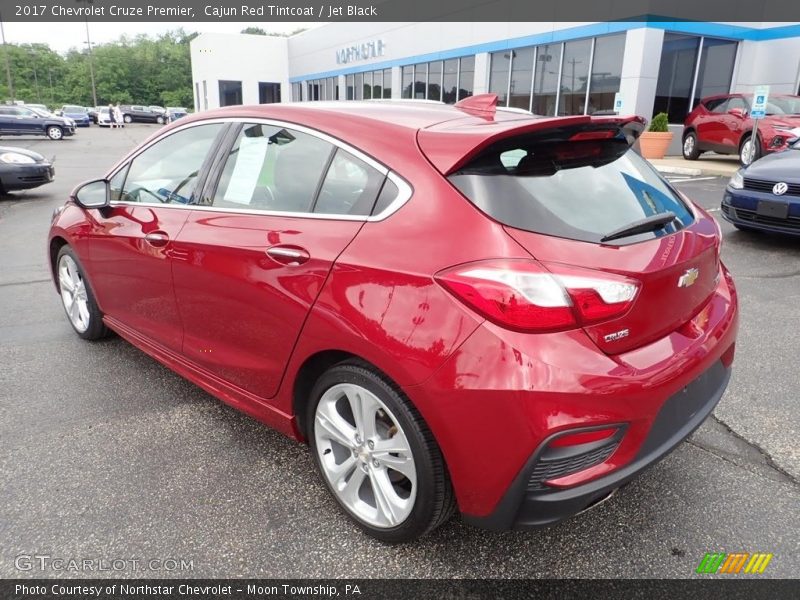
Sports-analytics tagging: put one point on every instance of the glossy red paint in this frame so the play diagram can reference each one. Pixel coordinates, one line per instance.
(208, 300)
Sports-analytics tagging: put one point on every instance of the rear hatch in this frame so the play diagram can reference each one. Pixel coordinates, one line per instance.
(575, 195)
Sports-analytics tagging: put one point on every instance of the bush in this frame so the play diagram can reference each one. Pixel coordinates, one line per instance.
(660, 123)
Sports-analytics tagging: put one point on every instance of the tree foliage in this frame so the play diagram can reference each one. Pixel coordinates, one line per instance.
(140, 69)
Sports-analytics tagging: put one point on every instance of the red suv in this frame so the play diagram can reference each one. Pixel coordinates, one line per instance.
(722, 124)
(453, 305)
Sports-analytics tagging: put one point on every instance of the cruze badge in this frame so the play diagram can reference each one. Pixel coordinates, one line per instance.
(617, 335)
(780, 188)
(688, 278)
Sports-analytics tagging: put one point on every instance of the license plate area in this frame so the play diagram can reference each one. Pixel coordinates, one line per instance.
(770, 208)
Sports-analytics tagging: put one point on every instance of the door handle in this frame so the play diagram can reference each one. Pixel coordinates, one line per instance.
(158, 239)
(290, 256)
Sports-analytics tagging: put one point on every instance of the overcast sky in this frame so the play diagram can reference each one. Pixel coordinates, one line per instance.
(63, 36)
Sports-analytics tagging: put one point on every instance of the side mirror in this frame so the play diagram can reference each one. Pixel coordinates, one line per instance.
(92, 194)
(738, 112)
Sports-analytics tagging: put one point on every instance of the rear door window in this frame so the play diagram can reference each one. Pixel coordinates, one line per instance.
(565, 184)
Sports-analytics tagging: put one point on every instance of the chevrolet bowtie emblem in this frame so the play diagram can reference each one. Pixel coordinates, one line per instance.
(688, 278)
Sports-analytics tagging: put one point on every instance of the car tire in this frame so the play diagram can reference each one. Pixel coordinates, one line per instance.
(160, 120)
(54, 132)
(691, 150)
(77, 297)
(354, 461)
(744, 148)
(127, 118)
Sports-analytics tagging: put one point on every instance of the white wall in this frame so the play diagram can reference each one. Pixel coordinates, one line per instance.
(774, 63)
(247, 58)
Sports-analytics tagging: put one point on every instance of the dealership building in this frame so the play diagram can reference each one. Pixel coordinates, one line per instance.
(549, 68)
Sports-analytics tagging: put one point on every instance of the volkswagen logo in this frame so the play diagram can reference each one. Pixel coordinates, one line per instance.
(779, 189)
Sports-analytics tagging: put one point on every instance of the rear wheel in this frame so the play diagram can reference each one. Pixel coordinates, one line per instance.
(77, 297)
(54, 132)
(160, 120)
(127, 119)
(749, 152)
(376, 455)
(690, 148)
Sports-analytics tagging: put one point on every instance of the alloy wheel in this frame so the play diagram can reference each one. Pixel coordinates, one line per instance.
(73, 293)
(746, 153)
(688, 145)
(365, 455)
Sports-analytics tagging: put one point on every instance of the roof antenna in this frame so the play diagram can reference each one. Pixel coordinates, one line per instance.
(482, 105)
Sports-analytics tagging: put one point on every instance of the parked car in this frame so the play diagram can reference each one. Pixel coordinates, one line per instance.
(103, 117)
(175, 112)
(722, 124)
(78, 114)
(22, 169)
(21, 120)
(765, 195)
(310, 267)
(38, 107)
(141, 114)
(92, 111)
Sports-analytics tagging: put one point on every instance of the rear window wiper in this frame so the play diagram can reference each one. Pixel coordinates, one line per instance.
(641, 226)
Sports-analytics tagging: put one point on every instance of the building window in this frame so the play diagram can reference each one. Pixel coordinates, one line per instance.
(450, 81)
(269, 93)
(350, 83)
(498, 75)
(574, 77)
(205, 95)
(606, 73)
(408, 81)
(522, 78)
(716, 68)
(359, 86)
(387, 83)
(420, 81)
(435, 80)
(545, 79)
(230, 93)
(197, 96)
(466, 76)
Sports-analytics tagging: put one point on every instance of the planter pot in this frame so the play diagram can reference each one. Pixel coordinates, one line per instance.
(654, 144)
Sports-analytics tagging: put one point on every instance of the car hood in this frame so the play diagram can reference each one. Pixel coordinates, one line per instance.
(34, 155)
(780, 166)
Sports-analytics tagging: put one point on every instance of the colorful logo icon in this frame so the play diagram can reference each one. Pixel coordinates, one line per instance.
(738, 562)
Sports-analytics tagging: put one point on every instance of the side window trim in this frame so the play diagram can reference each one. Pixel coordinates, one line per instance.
(227, 137)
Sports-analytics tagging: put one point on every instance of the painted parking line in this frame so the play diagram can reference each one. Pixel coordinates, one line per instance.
(685, 179)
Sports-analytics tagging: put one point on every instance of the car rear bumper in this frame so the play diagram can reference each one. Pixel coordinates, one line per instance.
(23, 177)
(524, 508)
(741, 207)
(502, 396)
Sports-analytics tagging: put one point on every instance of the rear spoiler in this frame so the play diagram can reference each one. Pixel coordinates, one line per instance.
(452, 144)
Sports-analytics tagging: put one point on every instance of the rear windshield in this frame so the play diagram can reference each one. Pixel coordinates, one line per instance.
(74, 109)
(565, 185)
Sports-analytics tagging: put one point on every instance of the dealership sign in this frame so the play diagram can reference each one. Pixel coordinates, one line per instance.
(363, 51)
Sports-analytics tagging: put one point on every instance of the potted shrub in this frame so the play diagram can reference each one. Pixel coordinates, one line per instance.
(654, 142)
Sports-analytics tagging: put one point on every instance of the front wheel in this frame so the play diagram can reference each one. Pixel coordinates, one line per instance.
(127, 119)
(160, 120)
(55, 133)
(77, 297)
(748, 151)
(690, 148)
(376, 455)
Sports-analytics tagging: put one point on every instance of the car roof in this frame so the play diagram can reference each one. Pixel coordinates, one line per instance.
(390, 129)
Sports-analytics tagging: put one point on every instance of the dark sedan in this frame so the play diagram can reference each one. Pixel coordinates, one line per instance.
(22, 169)
(766, 194)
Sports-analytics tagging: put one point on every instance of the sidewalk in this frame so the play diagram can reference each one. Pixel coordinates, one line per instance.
(711, 164)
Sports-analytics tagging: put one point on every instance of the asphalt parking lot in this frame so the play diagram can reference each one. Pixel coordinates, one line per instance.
(105, 454)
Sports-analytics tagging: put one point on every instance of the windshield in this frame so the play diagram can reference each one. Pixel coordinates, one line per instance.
(783, 105)
(74, 109)
(571, 187)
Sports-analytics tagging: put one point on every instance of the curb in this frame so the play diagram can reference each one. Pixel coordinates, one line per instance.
(678, 170)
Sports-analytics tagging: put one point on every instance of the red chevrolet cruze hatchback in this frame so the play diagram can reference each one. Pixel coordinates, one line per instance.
(455, 306)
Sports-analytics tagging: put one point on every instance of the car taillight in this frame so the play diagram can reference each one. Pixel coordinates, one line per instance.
(526, 295)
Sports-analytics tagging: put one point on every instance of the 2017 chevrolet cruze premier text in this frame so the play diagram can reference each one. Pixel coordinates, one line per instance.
(456, 306)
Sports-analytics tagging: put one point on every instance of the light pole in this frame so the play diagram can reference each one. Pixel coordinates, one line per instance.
(8, 63)
(91, 63)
